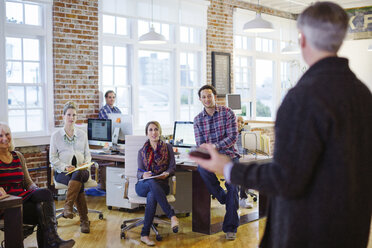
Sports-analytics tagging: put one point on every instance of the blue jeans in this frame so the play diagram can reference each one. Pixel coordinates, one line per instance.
(155, 192)
(231, 198)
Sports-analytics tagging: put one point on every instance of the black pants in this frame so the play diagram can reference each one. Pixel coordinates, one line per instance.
(30, 215)
(80, 176)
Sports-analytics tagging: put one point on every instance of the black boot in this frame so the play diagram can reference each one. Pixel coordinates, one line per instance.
(48, 235)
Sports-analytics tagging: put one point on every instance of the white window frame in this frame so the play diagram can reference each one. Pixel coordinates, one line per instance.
(173, 46)
(46, 62)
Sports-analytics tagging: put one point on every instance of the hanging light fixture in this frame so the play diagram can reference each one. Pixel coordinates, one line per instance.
(290, 49)
(258, 25)
(152, 37)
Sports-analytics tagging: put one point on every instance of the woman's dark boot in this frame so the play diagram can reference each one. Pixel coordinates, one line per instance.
(48, 236)
(82, 208)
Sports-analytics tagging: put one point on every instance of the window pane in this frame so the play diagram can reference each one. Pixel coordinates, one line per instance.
(14, 12)
(165, 30)
(184, 34)
(13, 72)
(191, 61)
(17, 120)
(108, 23)
(32, 14)
(183, 59)
(264, 88)
(34, 97)
(107, 55)
(34, 120)
(13, 48)
(107, 78)
(237, 41)
(120, 55)
(31, 73)
(121, 26)
(16, 97)
(120, 76)
(154, 89)
(31, 49)
(123, 99)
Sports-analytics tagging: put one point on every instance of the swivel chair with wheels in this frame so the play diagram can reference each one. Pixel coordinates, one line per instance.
(132, 145)
(89, 184)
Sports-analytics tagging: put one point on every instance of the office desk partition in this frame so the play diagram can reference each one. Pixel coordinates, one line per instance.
(13, 222)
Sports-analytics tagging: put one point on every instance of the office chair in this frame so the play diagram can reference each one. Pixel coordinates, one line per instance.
(89, 184)
(132, 145)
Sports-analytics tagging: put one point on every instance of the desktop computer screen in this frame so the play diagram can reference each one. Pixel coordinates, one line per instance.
(121, 125)
(233, 101)
(183, 134)
(99, 131)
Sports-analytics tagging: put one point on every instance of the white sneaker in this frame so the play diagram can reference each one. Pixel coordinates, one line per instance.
(243, 203)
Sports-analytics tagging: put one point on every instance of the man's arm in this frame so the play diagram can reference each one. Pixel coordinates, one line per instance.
(231, 132)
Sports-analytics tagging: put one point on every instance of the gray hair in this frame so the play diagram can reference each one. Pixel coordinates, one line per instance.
(68, 105)
(324, 25)
(6, 128)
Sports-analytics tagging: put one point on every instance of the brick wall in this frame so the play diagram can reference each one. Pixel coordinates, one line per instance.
(75, 57)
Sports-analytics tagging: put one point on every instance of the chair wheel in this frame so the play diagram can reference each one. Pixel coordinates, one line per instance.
(187, 214)
(109, 207)
(158, 238)
(156, 224)
(100, 216)
(254, 199)
(122, 235)
(123, 226)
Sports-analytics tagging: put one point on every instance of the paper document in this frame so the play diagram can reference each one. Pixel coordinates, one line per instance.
(81, 167)
(150, 177)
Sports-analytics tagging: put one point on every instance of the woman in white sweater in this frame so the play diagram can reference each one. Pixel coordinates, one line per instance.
(68, 149)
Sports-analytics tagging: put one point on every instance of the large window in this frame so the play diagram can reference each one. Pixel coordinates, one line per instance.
(262, 74)
(161, 80)
(24, 101)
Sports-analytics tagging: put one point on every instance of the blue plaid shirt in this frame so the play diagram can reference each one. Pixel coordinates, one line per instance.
(219, 129)
(105, 110)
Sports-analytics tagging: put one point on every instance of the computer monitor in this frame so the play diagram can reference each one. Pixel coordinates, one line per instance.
(99, 132)
(183, 134)
(233, 101)
(121, 125)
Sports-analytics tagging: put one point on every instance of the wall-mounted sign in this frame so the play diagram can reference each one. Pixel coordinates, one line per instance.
(360, 19)
(221, 72)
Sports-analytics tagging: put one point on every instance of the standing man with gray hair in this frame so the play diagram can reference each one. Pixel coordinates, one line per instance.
(319, 181)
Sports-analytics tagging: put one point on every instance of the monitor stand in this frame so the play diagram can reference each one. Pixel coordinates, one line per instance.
(115, 136)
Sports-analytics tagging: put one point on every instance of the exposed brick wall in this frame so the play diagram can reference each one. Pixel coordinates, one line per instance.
(36, 158)
(75, 57)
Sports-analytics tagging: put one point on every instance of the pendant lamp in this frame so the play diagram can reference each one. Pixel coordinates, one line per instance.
(290, 49)
(258, 25)
(152, 37)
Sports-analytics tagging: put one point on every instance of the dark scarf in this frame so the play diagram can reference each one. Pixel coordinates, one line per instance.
(155, 161)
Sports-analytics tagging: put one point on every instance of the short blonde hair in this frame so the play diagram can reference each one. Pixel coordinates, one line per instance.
(68, 105)
(6, 128)
(157, 124)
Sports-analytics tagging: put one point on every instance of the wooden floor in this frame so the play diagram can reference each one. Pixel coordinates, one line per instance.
(106, 232)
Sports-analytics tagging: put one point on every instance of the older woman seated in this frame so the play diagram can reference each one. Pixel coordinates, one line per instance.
(155, 158)
(38, 204)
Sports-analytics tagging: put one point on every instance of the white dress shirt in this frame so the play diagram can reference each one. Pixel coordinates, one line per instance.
(63, 149)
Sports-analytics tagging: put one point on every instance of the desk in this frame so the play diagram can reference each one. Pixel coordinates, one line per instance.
(201, 205)
(13, 222)
(105, 160)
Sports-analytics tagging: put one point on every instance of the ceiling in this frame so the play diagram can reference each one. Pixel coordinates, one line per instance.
(296, 6)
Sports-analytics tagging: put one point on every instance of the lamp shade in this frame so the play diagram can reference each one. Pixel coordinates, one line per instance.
(369, 48)
(152, 37)
(290, 49)
(258, 25)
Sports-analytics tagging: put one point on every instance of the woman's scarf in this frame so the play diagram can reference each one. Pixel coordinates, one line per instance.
(155, 161)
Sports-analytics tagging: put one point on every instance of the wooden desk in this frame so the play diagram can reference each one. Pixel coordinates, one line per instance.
(13, 221)
(201, 205)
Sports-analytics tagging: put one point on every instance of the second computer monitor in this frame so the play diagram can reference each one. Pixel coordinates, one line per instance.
(99, 132)
(183, 134)
(122, 122)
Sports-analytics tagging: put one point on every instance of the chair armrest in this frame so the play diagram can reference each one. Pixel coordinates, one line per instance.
(126, 187)
(174, 186)
(51, 175)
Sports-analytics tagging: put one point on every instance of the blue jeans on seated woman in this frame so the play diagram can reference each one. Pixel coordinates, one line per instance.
(155, 192)
(80, 176)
